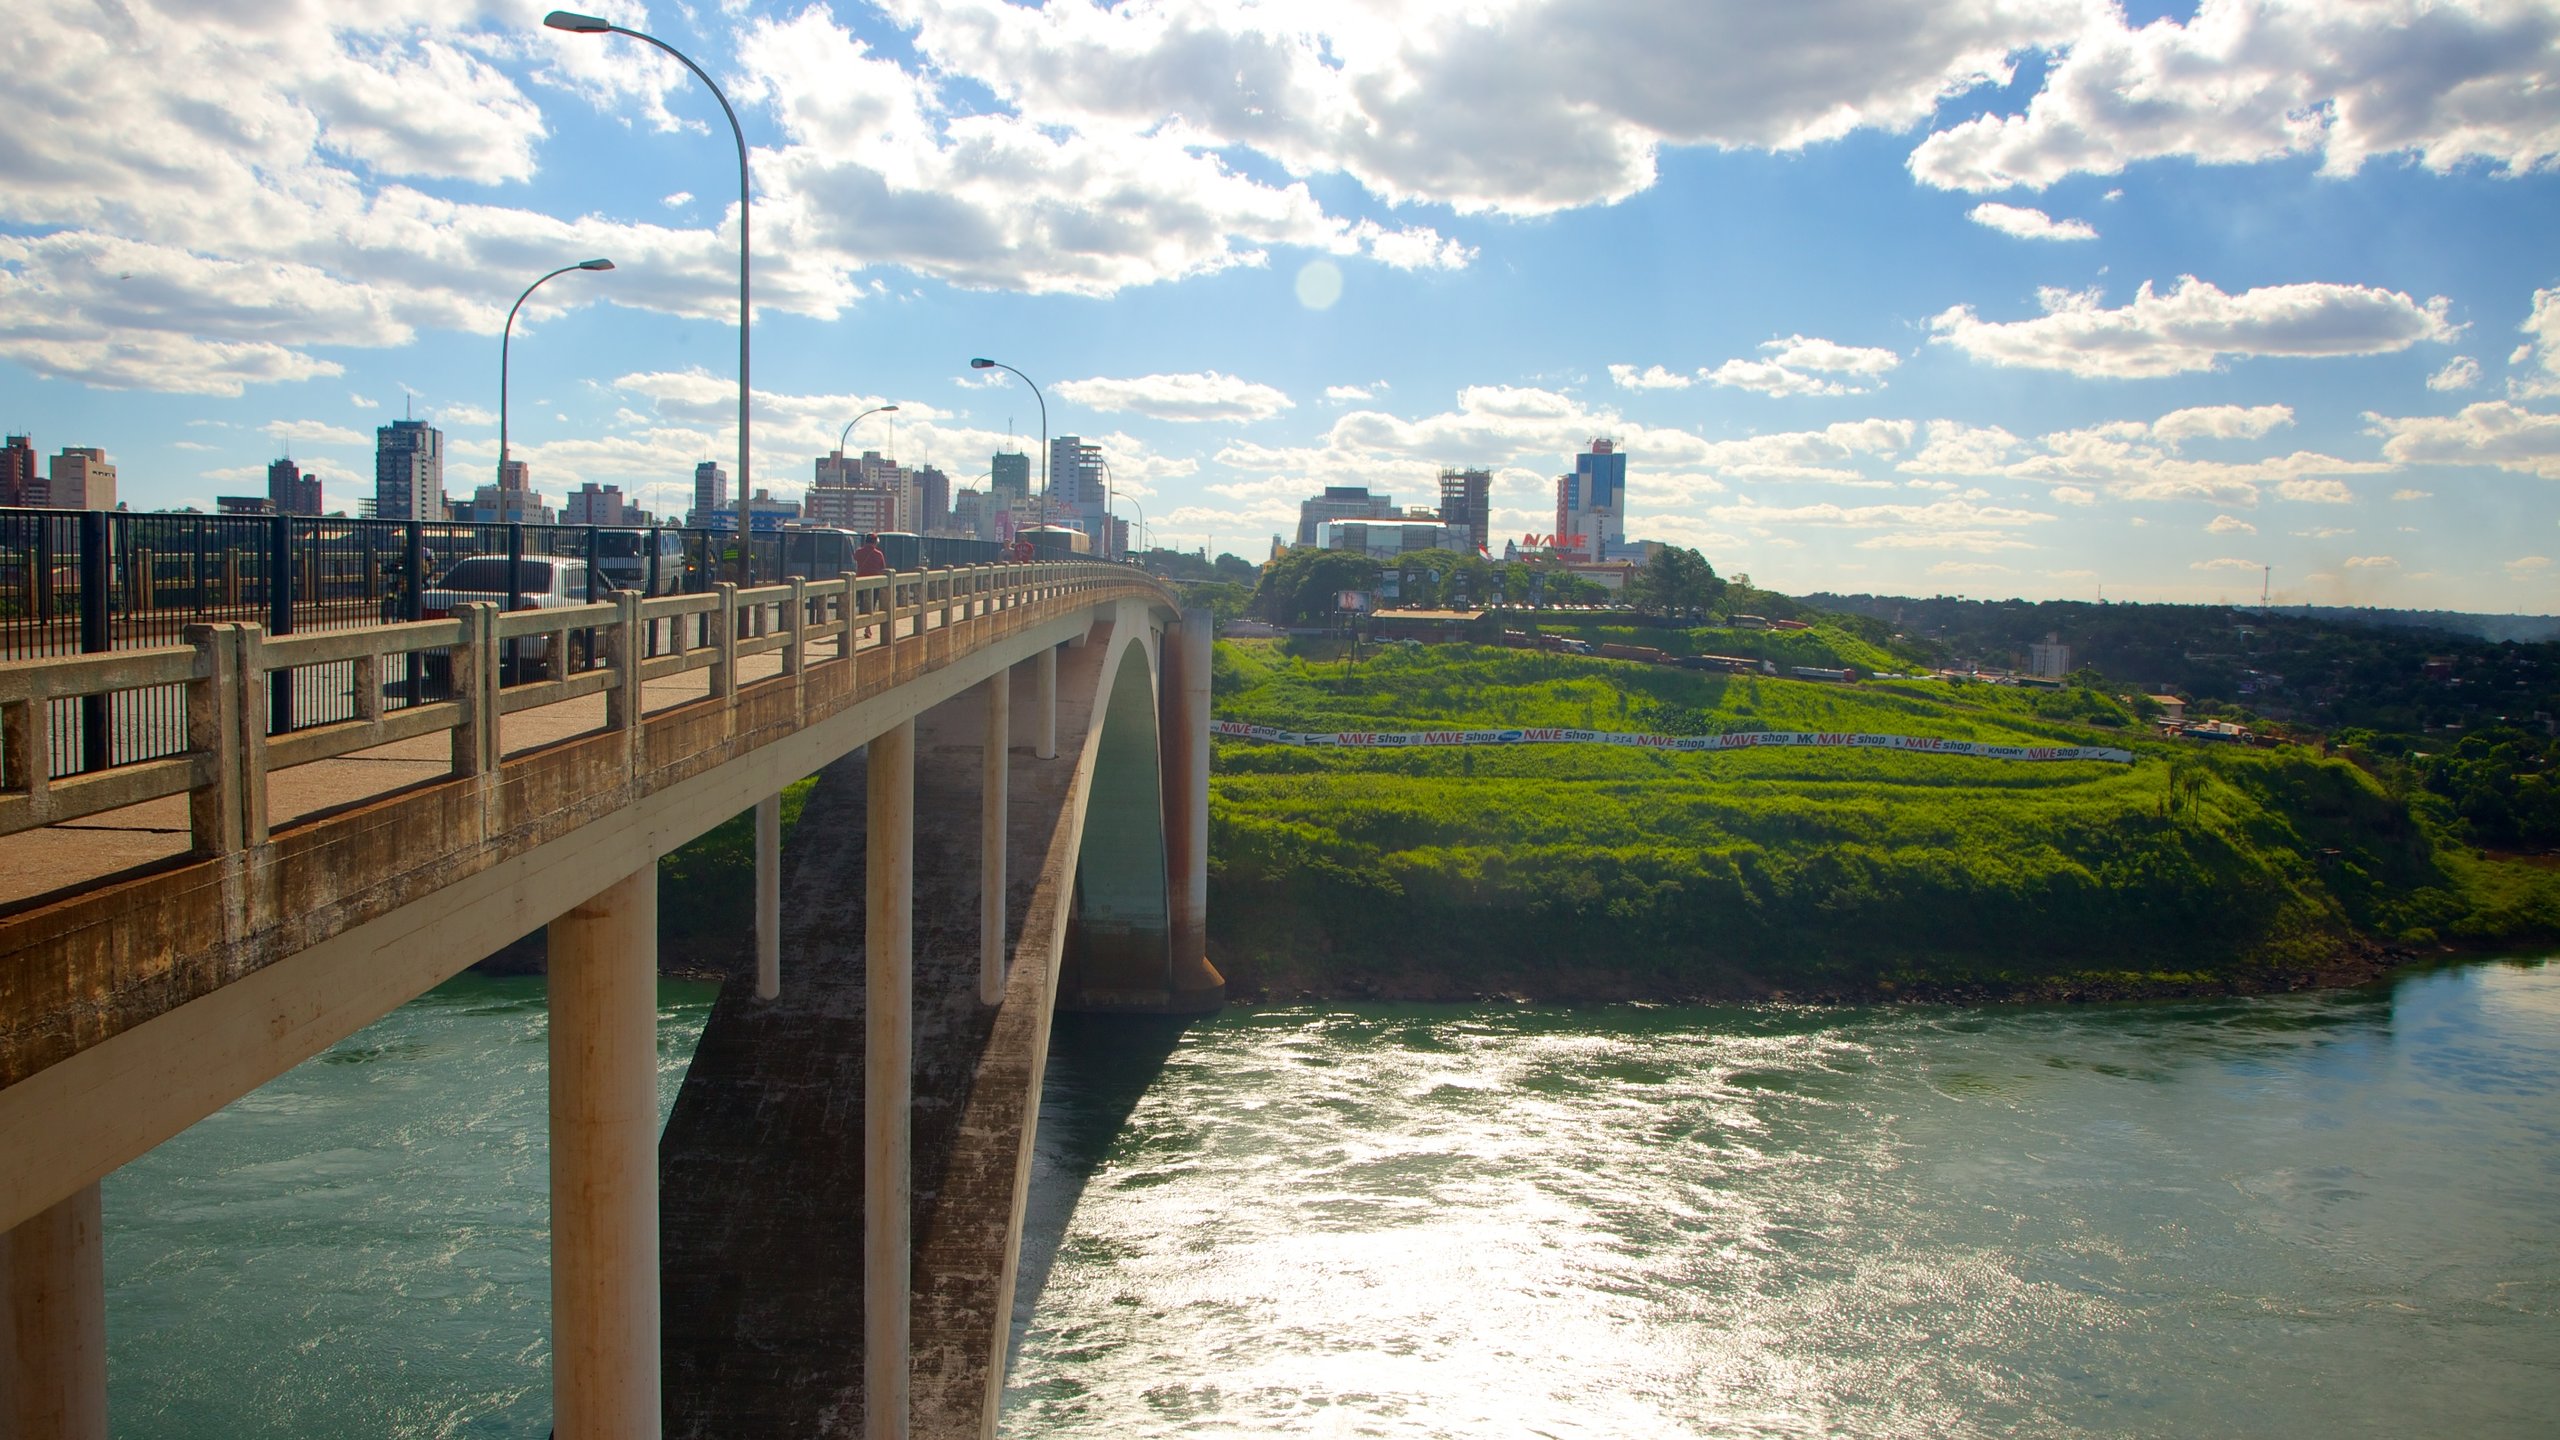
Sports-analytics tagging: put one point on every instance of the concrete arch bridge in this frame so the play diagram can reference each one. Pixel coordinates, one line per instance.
(1011, 816)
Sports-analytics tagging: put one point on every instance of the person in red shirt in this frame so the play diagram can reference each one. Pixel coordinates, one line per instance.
(868, 560)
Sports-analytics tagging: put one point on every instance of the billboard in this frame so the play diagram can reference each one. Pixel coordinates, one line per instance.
(1351, 600)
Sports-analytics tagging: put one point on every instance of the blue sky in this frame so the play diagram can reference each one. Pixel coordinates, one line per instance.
(1986, 297)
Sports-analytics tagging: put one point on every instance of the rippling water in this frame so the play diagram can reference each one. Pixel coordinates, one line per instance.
(2312, 1215)
(362, 1246)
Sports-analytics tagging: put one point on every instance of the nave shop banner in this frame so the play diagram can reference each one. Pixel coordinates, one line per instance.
(1747, 740)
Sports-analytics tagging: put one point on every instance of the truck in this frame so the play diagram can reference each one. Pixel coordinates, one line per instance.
(542, 582)
(1644, 653)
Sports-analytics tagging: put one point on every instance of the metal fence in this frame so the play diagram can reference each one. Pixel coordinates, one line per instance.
(86, 581)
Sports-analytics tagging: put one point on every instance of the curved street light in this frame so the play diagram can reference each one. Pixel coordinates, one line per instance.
(1045, 465)
(858, 419)
(1142, 522)
(506, 341)
(577, 24)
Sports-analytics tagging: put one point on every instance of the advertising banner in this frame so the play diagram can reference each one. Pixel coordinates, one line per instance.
(1742, 740)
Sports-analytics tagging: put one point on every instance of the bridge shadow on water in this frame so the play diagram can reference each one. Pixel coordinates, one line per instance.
(1100, 1067)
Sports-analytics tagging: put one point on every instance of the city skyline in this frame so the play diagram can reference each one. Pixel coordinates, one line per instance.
(1911, 299)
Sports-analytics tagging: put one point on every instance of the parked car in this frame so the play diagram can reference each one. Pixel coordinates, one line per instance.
(542, 582)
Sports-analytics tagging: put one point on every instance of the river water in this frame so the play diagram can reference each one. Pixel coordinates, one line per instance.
(2321, 1215)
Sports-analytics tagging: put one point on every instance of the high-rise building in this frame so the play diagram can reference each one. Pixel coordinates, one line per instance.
(969, 511)
(1466, 500)
(1075, 474)
(1341, 502)
(408, 471)
(1592, 502)
(865, 492)
(933, 499)
(82, 479)
(1009, 476)
(20, 482)
(710, 492)
(290, 492)
(593, 504)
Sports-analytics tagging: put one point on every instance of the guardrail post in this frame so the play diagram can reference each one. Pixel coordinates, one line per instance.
(213, 729)
(724, 663)
(475, 687)
(846, 606)
(795, 628)
(26, 741)
(889, 617)
(280, 619)
(248, 717)
(622, 703)
(96, 725)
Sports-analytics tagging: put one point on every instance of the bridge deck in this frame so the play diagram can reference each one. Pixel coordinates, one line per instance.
(762, 1161)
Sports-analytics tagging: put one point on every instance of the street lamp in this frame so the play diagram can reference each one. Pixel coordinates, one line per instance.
(858, 419)
(1142, 522)
(1110, 519)
(506, 341)
(577, 24)
(1045, 466)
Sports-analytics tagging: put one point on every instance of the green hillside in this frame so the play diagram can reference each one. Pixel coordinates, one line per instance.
(1574, 871)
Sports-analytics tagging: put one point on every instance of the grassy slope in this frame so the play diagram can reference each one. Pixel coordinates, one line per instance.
(1569, 870)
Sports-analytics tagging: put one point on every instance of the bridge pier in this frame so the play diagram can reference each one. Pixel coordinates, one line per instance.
(1183, 728)
(604, 1164)
(1046, 720)
(994, 778)
(888, 1159)
(53, 1322)
(769, 897)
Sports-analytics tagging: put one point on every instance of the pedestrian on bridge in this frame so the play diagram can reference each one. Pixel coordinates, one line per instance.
(869, 559)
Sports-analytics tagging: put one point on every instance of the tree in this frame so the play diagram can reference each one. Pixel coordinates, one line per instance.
(1678, 584)
(1300, 586)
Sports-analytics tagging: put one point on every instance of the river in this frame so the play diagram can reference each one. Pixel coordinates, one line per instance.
(2330, 1214)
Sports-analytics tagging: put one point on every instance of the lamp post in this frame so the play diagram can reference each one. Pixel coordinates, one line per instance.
(1142, 521)
(506, 341)
(577, 24)
(1110, 508)
(858, 419)
(1045, 466)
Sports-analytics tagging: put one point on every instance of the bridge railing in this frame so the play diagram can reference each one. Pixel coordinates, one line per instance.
(460, 676)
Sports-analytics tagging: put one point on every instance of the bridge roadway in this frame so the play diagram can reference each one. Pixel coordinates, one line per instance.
(174, 933)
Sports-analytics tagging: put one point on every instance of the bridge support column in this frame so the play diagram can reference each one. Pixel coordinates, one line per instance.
(889, 866)
(53, 1324)
(995, 775)
(769, 897)
(1046, 721)
(1183, 727)
(604, 1164)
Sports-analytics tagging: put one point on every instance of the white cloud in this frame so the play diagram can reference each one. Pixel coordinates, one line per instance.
(1346, 392)
(361, 403)
(2459, 373)
(2529, 567)
(2372, 562)
(2143, 460)
(2194, 327)
(2322, 532)
(1804, 365)
(1963, 569)
(2413, 494)
(314, 432)
(2226, 562)
(2542, 327)
(1204, 396)
(1652, 377)
(2449, 81)
(678, 200)
(2029, 224)
(2492, 432)
(1482, 108)
(2229, 525)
